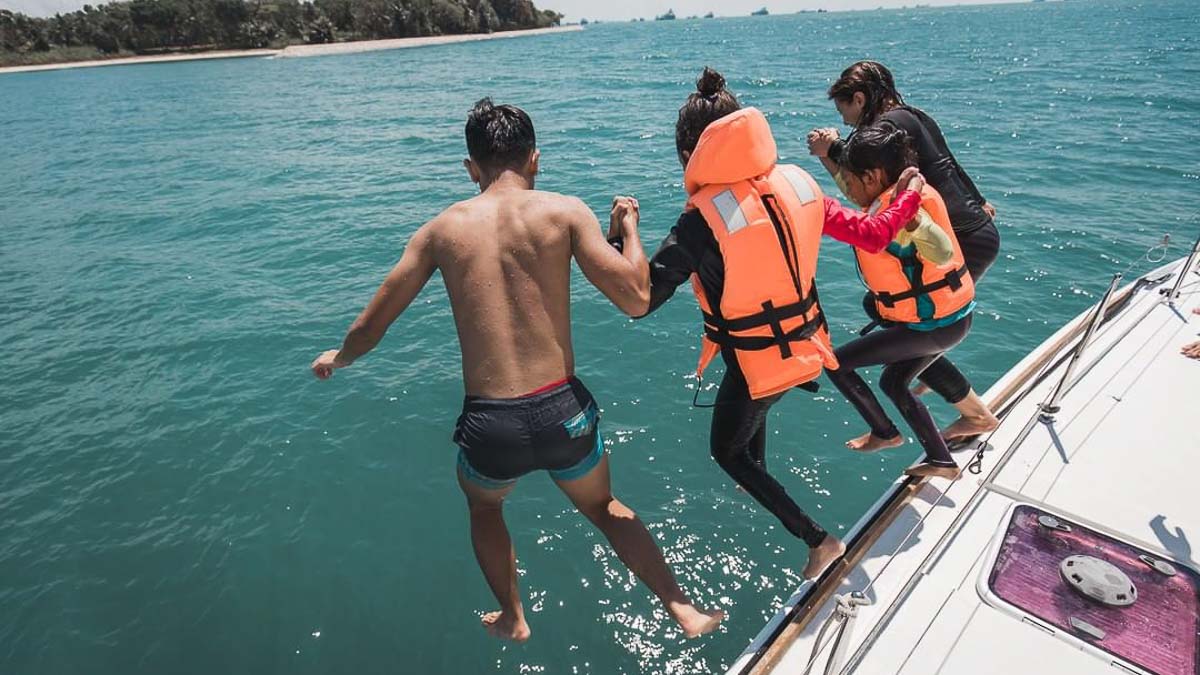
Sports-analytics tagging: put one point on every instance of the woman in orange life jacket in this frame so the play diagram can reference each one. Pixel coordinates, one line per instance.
(748, 239)
(865, 95)
(921, 288)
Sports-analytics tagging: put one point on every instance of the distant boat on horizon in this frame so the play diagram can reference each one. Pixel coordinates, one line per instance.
(709, 15)
(669, 16)
(760, 12)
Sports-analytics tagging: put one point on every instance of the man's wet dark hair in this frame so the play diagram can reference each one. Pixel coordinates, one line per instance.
(879, 147)
(710, 102)
(499, 136)
(874, 81)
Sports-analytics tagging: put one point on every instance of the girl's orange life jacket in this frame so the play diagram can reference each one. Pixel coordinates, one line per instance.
(767, 220)
(907, 287)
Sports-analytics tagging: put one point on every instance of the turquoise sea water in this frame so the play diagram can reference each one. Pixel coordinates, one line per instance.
(179, 495)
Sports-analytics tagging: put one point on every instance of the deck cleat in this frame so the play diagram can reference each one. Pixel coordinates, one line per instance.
(1161, 566)
(1051, 523)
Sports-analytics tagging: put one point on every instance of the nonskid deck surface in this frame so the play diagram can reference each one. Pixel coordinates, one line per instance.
(1121, 454)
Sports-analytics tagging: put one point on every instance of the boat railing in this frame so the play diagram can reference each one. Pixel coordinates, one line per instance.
(1101, 314)
(1051, 406)
(1173, 294)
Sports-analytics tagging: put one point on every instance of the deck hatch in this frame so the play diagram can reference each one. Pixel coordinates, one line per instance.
(1158, 628)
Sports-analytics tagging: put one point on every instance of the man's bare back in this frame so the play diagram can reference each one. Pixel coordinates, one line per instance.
(505, 256)
(506, 259)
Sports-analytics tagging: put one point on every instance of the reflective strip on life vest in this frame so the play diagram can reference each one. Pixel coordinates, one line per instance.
(730, 211)
(804, 190)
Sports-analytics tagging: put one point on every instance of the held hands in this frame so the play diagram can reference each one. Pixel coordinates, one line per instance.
(820, 140)
(623, 220)
(990, 210)
(326, 363)
(910, 179)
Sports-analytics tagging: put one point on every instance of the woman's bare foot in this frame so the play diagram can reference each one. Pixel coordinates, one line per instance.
(927, 470)
(1191, 351)
(970, 425)
(695, 621)
(869, 442)
(506, 626)
(821, 557)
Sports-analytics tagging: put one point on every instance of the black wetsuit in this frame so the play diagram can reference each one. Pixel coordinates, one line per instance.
(976, 233)
(738, 439)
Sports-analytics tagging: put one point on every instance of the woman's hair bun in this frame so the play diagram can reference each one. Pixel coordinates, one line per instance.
(710, 83)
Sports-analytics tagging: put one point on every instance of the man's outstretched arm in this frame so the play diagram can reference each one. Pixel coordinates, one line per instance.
(623, 277)
(402, 285)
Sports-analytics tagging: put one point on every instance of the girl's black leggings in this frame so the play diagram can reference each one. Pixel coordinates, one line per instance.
(905, 354)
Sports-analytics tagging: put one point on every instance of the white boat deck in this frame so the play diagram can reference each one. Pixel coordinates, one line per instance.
(1122, 455)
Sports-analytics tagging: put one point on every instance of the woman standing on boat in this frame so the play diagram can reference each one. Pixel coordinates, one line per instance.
(865, 95)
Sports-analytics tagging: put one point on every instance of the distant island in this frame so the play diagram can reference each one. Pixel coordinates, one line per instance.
(760, 12)
(669, 16)
(157, 27)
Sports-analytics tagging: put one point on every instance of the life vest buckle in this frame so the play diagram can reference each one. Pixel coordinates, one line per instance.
(954, 279)
(775, 322)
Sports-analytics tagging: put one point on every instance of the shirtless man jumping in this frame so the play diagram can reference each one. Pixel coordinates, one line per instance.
(505, 256)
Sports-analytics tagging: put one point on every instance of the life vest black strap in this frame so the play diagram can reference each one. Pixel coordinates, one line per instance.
(721, 330)
(779, 338)
(763, 318)
(952, 280)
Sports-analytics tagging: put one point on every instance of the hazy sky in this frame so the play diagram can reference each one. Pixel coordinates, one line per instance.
(590, 9)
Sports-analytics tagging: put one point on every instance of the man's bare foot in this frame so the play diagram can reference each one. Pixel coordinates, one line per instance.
(869, 442)
(695, 621)
(927, 470)
(821, 557)
(970, 425)
(506, 626)
(921, 389)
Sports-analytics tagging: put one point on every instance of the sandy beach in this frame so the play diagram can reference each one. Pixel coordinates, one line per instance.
(297, 50)
(405, 43)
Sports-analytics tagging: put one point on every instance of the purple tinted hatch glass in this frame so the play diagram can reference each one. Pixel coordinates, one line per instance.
(1159, 632)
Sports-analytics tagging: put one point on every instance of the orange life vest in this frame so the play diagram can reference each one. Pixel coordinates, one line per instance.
(908, 288)
(767, 220)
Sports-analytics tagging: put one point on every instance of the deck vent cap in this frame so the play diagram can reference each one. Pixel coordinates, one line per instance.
(1099, 580)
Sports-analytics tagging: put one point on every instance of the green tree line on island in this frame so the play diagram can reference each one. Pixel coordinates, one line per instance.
(163, 26)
